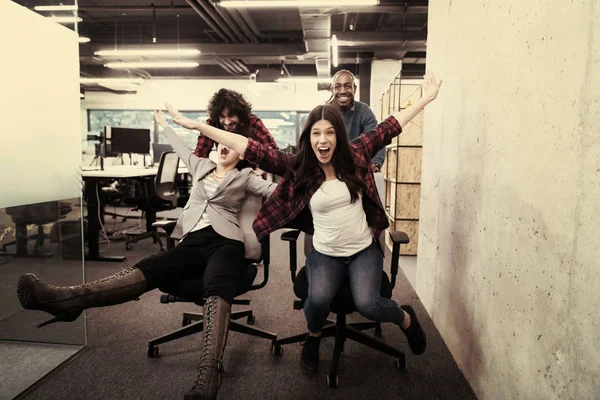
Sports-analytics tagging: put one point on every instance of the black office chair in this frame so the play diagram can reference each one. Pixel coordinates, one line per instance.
(34, 214)
(190, 290)
(342, 305)
(161, 197)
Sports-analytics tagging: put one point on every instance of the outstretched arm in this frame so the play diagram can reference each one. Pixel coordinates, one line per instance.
(183, 151)
(382, 135)
(267, 158)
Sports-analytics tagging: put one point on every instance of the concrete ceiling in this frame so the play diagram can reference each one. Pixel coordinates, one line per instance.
(235, 43)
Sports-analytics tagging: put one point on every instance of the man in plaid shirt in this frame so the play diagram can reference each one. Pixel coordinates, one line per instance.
(229, 110)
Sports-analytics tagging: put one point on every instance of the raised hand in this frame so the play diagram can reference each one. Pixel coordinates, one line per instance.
(179, 119)
(160, 118)
(430, 86)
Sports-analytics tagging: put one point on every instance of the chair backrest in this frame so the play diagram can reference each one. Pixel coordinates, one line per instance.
(380, 183)
(158, 149)
(164, 184)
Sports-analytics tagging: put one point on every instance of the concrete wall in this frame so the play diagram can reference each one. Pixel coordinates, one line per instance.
(509, 253)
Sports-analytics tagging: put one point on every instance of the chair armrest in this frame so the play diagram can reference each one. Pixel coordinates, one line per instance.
(168, 226)
(398, 238)
(291, 236)
(265, 244)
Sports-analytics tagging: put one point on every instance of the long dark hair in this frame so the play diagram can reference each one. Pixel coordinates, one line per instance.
(235, 103)
(306, 164)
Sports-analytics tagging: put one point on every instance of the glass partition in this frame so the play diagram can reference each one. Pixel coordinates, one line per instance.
(40, 202)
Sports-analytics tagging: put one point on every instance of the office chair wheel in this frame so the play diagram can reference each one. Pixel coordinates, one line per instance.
(250, 320)
(185, 321)
(400, 364)
(277, 350)
(128, 247)
(152, 351)
(332, 381)
(377, 331)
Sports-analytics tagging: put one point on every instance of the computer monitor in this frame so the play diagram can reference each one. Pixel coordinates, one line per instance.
(158, 149)
(127, 140)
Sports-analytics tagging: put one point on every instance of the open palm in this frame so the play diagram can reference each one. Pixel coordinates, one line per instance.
(179, 119)
(431, 87)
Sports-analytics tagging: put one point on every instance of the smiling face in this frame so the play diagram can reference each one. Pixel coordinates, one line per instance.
(226, 156)
(343, 89)
(323, 140)
(230, 122)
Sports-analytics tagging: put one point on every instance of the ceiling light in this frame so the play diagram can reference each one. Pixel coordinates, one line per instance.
(94, 81)
(295, 3)
(152, 64)
(334, 51)
(65, 20)
(56, 8)
(303, 79)
(147, 52)
(83, 39)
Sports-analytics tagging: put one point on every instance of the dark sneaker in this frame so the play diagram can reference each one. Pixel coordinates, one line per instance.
(310, 352)
(414, 333)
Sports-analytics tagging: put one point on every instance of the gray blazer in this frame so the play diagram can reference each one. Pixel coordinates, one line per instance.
(224, 205)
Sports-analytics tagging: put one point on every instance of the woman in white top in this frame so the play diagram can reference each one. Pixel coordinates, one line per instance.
(212, 246)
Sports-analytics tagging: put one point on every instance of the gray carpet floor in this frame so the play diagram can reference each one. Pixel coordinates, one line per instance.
(115, 364)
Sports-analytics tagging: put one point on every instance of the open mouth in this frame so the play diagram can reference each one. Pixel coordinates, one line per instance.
(343, 97)
(224, 151)
(324, 151)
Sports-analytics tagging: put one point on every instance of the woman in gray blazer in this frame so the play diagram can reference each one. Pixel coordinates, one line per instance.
(212, 245)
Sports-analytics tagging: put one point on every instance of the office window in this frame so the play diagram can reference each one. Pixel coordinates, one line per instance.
(188, 136)
(282, 125)
(98, 119)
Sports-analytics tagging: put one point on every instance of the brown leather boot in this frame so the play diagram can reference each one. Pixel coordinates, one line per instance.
(66, 303)
(216, 327)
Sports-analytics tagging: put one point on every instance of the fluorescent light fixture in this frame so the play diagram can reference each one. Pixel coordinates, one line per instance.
(81, 96)
(83, 39)
(152, 64)
(303, 79)
(272, 123)
(99, 81)
(65, 20)
(56, 8)
(334, 51)
(294, 3)
(147, 52)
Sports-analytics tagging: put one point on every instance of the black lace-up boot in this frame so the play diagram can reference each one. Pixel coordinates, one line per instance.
(216, 327)
(66, 303)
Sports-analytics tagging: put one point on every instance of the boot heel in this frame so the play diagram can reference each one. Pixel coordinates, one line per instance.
(63, 316)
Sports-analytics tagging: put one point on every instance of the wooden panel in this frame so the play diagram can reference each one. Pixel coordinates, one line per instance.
(409, 94)
(409, 161)
(412, 133)
(412, 230)
(407, 202)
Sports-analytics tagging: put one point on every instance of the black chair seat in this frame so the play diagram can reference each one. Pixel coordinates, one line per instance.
(192, 288)
(343, 302)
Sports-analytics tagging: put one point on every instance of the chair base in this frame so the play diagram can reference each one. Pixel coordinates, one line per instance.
(151, 234)
(190, 328)
(342, 331)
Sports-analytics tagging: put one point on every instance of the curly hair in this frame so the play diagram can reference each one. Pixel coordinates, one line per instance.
(235, 103)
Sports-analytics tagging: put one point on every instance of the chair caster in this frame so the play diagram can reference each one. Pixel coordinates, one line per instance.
(185, 321)
(332, 381)
(377, 331)
(128, 247)
(400, 364)
(152, 351)
(250, 320)
(276, 349)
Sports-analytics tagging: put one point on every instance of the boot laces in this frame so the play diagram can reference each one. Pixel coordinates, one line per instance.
(205, 360)
(119, 274)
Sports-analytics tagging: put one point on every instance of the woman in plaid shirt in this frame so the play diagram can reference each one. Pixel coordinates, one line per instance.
(328, 190)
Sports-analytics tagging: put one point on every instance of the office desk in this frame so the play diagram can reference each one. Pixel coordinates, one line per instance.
(91, 179)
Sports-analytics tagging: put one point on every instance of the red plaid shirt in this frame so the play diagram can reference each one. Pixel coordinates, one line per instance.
(284, 209)
(257, 130)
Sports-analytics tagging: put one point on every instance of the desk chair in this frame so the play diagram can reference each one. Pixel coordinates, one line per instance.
(190, 290)
(343, 304)
(163, 197)
(34, 214)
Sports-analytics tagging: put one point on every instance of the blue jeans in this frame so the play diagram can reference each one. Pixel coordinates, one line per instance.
(326, 274)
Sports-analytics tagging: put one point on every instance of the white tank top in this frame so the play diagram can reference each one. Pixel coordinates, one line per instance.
(341, 228)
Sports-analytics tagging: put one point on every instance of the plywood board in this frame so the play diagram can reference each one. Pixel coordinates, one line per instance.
(409, 94)
(408, 160)
(407, 201)
(412, 230)
(412, 133)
